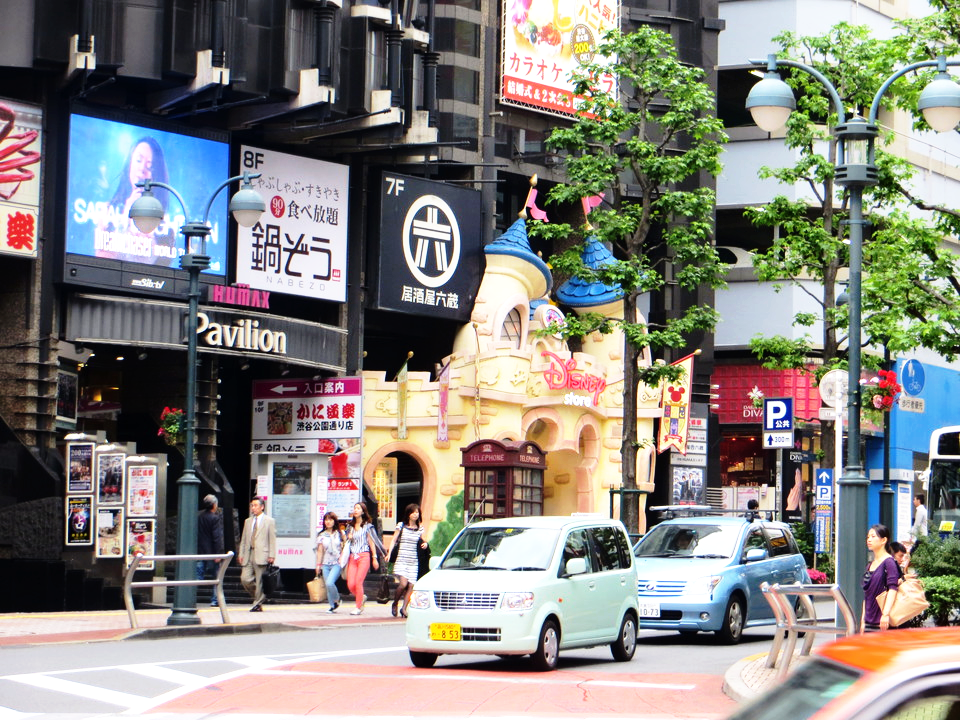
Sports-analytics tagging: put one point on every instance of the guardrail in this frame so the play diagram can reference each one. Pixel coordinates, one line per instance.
(129, 584)
(789, 626)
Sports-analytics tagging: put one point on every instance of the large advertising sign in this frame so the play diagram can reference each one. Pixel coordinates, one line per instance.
(106, 160)
(429, 261)
(299, 247)
(20, 145)
(543, 42)
(306, 416)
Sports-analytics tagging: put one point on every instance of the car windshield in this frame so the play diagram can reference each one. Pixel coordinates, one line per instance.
(502, 548)
(802, 694)
(689, 540)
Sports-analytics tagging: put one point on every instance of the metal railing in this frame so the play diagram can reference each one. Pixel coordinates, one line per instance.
(217, 582)
(789, 626)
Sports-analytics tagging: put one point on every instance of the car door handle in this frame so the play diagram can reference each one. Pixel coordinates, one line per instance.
(592, 585)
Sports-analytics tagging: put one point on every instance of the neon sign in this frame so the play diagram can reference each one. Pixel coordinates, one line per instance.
(563, 375)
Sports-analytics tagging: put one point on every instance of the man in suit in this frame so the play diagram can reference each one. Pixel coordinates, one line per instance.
(258, 548)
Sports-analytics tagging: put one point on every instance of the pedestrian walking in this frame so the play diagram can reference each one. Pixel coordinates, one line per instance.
(330, 544)
(258, 548)
(881, 574)
(209, 540)
(365, 551)
(406, 552)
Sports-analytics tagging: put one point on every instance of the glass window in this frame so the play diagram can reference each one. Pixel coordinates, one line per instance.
(577, 546)
(777, 540)
(457, 36)
(606, 548)
(754, 540)
(666, 540)
(802, 694)
(512, 327)
(502, 548)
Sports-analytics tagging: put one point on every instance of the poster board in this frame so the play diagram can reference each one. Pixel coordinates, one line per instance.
(79, 521)
(140, 537)
(110, 490)
(110, 532)
(141, 490)
(80, 467)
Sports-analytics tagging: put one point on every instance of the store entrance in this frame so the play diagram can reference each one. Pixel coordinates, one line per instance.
(747, 471)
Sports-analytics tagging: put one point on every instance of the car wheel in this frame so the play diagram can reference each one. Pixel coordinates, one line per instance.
(733, 619)
(625, 645)
(423, 659)
(548, 649)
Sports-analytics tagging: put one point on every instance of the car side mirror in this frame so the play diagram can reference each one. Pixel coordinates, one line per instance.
(575, 566)
(754, 554)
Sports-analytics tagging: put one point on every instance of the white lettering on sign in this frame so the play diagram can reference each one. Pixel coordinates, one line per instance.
(778, 414)
(243, 334)
(577, 400)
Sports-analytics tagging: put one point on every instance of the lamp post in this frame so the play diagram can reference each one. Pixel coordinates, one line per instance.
(147, 214)
(770, 103)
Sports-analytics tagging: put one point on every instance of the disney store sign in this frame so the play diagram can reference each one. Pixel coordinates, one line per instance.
(564, 375)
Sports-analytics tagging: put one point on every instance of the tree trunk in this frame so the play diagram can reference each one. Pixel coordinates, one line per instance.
(629, 501)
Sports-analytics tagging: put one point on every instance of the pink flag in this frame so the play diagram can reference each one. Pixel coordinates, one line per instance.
(535, 212)
(589, 203)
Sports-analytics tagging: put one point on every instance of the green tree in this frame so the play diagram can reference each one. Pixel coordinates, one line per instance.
(645, 141)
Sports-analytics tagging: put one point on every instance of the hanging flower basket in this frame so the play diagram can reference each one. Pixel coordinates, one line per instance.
(880, 395)
(172, 426)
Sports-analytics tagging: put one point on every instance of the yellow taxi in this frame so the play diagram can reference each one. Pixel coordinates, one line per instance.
(910, 674)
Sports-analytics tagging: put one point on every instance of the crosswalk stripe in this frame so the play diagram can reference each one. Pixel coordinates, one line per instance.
(159, 672)
(69, 687)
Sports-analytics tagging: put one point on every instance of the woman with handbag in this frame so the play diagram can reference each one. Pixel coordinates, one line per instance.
(881, 574)
(405, 552)
(330, 543)
(364, 544)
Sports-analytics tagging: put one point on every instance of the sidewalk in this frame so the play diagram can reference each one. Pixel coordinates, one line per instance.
(746, 679)
(89, 626)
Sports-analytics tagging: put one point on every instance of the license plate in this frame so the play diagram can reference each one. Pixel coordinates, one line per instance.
(650, 610)
(445, 631)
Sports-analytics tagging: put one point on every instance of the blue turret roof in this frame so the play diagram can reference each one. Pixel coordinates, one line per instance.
(514, 242)
(577, 292)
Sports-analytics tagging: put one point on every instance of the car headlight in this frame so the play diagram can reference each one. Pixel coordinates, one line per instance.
(420, 599)
(517, 600)
(703, 585)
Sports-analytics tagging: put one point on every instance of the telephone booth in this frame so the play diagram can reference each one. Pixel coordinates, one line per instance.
(503, 479)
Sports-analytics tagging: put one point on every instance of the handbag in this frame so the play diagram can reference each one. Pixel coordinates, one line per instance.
(271, 580)
(345, 555)
(317, 589)
(383, 592)
(395, 548)
(423, 560)
(911, 601)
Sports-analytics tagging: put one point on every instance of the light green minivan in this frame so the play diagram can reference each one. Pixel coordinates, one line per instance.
(527, 586)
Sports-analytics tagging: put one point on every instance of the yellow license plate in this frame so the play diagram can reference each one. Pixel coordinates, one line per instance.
(444, 631)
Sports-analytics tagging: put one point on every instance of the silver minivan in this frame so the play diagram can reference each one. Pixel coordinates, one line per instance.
(527, 586)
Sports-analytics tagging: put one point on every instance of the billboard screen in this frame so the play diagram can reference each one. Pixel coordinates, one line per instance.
(106, 160)
(543, 41)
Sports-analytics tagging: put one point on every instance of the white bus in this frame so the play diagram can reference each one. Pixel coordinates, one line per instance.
(943, 478)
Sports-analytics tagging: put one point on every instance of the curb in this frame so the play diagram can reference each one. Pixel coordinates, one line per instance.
(733, 685)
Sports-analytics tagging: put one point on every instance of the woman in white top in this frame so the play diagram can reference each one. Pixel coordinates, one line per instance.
(329, 546)
(405, 553)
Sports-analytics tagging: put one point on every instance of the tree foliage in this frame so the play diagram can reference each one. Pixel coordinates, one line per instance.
(644, 142)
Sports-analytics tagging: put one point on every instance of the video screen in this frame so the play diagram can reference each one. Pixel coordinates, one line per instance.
(106, 160)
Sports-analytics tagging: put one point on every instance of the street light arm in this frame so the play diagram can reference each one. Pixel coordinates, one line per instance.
(147, 184)
(246, 178)
(941, 63)
(772, 62)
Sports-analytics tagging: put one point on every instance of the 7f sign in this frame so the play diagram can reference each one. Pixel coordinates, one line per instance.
(778, 422)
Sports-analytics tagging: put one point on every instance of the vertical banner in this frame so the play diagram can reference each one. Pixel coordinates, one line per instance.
(676, 409)
(402, 402)
(21, 127)
(443, 402)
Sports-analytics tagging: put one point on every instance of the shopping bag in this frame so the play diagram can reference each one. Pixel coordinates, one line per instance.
(271, 580)
(911, 601)
(317, 589)
(345, 555)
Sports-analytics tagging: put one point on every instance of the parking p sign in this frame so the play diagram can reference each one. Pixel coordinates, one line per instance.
(777, 422)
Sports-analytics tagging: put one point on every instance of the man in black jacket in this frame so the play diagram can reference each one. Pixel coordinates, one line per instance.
(209, 539)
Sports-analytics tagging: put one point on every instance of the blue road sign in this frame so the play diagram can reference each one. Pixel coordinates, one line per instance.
(912, 377)
(778, 414)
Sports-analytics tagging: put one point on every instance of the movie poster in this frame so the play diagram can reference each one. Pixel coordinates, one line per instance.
(80, 468)
(140, 539)
(142, 490)
(110, 479)
(110, 532)
(79, 530)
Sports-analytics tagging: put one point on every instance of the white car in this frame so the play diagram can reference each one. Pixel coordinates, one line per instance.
(527, 586)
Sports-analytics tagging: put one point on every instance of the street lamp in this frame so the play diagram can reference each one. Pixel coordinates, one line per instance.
(147, 214)
(770, 102)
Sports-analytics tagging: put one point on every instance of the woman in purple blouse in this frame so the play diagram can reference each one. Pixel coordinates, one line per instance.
(881, 574)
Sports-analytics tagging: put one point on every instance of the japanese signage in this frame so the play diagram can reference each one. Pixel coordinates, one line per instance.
(429, 247)
(543, 42)
(299, 246)
(20, 138)
(79, 529)
(141, 538)
(288, 412)
(141, 490)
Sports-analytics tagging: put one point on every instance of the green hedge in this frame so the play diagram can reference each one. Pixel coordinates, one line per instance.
(943, 594)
